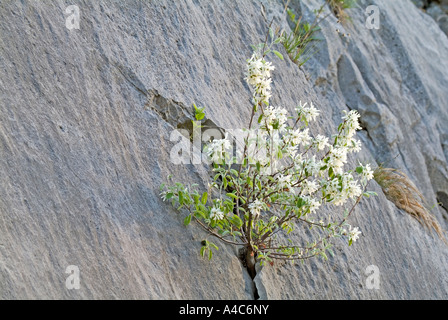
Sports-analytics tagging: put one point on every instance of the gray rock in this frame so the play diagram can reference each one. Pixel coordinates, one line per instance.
(85, 122)
(434, 10)
(442, 21)
(420, 3)
(439, 13)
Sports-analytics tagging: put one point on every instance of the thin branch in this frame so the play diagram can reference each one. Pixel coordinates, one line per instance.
(217, 235)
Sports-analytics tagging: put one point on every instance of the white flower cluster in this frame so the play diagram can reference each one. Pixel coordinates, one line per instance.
(342, 188)
(366, 174)
(284, 181)
(307, 113)
(216, 214)
(309, 187)
(345, 142)
(310, 179)
(275, 118)
(311, 203)
(259, 77)
(353, 233)
(312, 166)
(300, 137)
(256, 207)
(218, 149)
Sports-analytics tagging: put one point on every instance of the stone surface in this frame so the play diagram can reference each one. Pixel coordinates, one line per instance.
(85, 122)
(438, 10)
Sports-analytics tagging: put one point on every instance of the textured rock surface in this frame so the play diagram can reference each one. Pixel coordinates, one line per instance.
(438, 10)
(85, 123)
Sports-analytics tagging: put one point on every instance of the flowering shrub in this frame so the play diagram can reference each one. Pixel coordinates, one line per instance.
(282, 179)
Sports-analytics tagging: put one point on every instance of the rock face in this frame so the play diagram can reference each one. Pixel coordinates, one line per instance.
(86, 117)
(438, 10)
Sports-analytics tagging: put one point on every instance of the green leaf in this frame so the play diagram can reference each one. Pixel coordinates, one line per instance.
(235, 220)
(196, 198)
(204, 198)
(232, 195)
(203, 251)
(359, 170)
(258, 166)
(249, 182)
(369, 193)
(181, 198)
(200, 214)
(292, 16)
(278, 54)
(331, 173)
(234, 172)
(210, 254)
(187, 220)
(199, 116)
(225, 232)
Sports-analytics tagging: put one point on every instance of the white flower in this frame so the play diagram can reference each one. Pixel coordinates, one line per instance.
(321, 142)
(366, 174)
(309, 113)
(309, 187)
(284, 181)
(163, 195)
(218, 149)
(291, 151)
(254, 70)
(258, 76)
(352, 123)
(216, 214)
(343, 188)
(312, 203)
(256, 206)
(264, 87)
(275, 118)
(354, 233)
(313, 166)
(338, 157)
(354, 146)
(353, 189)
(300, 137)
